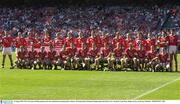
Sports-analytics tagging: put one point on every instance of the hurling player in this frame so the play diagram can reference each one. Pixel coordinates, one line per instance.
(20, 61)
(119, 51)
(41, 58)
(7, 42)
(92, 52)
(163, 61)
(173, 43)
(51, 56)
(32, 58)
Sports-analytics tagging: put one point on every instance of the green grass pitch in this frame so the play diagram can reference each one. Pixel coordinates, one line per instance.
(20, 84)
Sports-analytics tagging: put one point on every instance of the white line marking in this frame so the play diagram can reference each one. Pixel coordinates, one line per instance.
(148, 92)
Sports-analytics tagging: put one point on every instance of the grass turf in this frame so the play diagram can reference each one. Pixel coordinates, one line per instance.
(86, 85)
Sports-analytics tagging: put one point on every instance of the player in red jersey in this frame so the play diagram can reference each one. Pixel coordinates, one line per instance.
(46, 40)
(119, 52)
(172, 47)
(69, 39)
(62, 58)
(130, 55)
(70, 59)
(141, 53)
(92, 53)
(20, 41)
(129, 41)
(118, 39)
(92, 39)
(150, 59)
(50, 58)
(41, 58)
(36, 42)
(139, 41)
(7, 42)
(58, 41)
(103, 57)
(105, 38)
(20, 58)
(162, 42)
(79, 41)
(80, 56)
(163, 61)
(32, 58)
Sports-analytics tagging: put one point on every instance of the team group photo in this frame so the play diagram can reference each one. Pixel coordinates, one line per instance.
(93, 52)
(89, 51)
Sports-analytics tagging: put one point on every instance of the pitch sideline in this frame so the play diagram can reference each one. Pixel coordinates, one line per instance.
(155, 89)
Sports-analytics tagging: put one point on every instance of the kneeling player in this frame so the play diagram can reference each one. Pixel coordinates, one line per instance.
(20, 62)
(51, 56)
(141, 58)
(129, 57)
(32, 58)
(41, 58)
(118, 56)
(163, 59)
(111, 61)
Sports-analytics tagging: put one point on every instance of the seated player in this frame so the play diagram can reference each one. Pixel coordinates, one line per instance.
(163, 61)
(51, 56)
(104, 55)
(118, 55)
(32, 58)
(20, 61)
(150, 59)
(71, 53)
(141, 58)
(80, 56)
(92, 52)
(111, 61)
(41, 58)
(130, 54)
(61, 61)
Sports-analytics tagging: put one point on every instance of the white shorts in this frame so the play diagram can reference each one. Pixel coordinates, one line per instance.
(172, 49)
(7, 51)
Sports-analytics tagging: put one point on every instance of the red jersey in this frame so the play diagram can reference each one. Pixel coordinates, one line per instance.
(51, 55)
(131, 53)
(68, 41)
(32, 55)
(121, 41)
(91, 40)
(172, 40)
(7, 41)
(92, 53)
(118, 52)
(104, 40)
(36, 43)
(63, 55)
(71, 51)
(78, 42)
(42, 55)
(163, 57)
(128, 42)
(46, 41)
(21, 55)
(162, 42)
(82, 53)
(20, 41)
(141, 53)
(139, 42)
(151, 55)
(105, 52)
(58, 42)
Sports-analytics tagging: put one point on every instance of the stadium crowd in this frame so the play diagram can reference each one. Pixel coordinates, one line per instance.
(88, 38)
